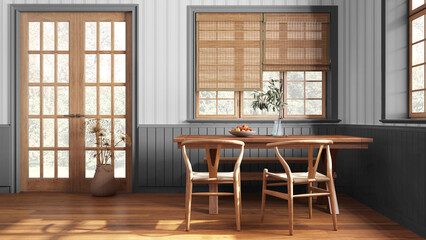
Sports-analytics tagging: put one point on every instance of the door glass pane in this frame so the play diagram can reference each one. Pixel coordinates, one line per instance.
(119, 68)
(90, 163)
(48, 68)
(63, 36)
(119, 100)
(418, 77)
(33, 68)
(34, 164)
(90, 133)
(90, 35)
(90, 100)
(48, 132)
(34, 100)
(105, 68)
(90, 68)
(119, 36)
(418, 102)
(48, 164)
(105, 100)
(105, 36)
(63, 132)
(120, 164)
(34, 132)
(106, 124)
(48, 100)
(48, 36)
(63, 68)
(63, 104)
(63, 164)
(119, 131)
(34, 36)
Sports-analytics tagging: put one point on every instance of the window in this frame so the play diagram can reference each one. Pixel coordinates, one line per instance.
(237, 53)
(417, 100)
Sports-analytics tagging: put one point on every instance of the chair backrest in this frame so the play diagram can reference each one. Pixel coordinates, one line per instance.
(213, 148)
(310, 145)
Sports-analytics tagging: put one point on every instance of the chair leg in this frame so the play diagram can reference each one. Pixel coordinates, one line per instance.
(333, 203)
(237, 206)
(188, 202)
(310, 200)
(290, 207)
(239, 197)
(262, 208)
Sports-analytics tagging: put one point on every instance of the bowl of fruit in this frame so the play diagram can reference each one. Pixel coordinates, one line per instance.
(242, 131)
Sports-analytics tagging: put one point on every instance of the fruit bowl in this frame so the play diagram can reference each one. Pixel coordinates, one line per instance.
(242, 133)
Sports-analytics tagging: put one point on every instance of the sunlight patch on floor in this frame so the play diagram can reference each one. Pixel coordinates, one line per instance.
(37, 226)
(169, 224)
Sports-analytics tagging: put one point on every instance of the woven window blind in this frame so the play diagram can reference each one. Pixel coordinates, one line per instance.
(296, 41)
(228, 47)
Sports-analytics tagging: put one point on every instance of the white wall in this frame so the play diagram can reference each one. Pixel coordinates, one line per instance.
(162, 53)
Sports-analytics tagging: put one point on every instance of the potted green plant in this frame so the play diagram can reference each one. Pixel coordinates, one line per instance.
(103, 183)
(271, 99)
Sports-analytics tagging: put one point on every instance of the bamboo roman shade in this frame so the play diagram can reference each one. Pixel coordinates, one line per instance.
(228, 51)
(296, 41)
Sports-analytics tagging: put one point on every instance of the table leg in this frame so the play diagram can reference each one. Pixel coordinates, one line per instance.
(213, 200)
(324, 200)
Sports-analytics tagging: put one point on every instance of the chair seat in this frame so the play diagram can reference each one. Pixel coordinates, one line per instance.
(301, 177)
(221, 176)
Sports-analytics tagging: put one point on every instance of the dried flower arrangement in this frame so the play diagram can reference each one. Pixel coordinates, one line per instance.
(103, 142)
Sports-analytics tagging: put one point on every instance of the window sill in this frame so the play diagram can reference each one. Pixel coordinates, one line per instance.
(404, 120)
(262, 121)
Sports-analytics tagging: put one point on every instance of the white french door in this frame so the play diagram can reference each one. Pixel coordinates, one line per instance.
(74, 67)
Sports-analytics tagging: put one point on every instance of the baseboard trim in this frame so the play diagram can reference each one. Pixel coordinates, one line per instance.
(4, 189)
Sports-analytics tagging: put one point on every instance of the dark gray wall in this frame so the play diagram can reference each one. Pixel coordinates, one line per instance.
(5, 159)
(389, 176)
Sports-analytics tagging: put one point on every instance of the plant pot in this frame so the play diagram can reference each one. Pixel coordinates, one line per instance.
(103, 183)
(278, 129)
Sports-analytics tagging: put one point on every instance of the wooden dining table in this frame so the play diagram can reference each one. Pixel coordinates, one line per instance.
(260, 141)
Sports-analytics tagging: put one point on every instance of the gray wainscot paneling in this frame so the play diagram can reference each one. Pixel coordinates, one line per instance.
(5, 159)
(389, 176)
(160, 167)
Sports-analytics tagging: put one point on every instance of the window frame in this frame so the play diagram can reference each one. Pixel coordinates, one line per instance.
(413, 15)
(331, 113)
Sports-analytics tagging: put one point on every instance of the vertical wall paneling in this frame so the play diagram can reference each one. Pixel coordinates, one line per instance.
(160, 163)
(389, 176)
(5, 156)
(162, 83)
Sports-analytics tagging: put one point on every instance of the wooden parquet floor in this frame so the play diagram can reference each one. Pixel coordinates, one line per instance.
(161, 216)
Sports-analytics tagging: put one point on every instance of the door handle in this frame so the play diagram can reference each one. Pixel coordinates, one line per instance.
(69, 115)
(79, 115)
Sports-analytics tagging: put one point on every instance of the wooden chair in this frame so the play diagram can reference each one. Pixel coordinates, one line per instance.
(311, 176)
(213, 177)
